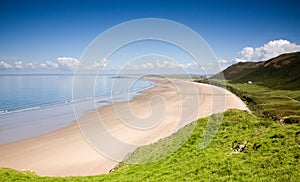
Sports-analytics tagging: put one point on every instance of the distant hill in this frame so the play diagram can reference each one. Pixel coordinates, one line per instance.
(282, 72)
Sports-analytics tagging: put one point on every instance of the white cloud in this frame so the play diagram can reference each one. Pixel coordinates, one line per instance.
(223, 63)
(62, 63)
(48, 65)
(18, 65)
(164, 66)
(271, 49)
(157, 64)
(5, 65)
(68, 63)
(246, 54)
(100, 64)
(51, 64)
(31, 66)
(267, 51)
(43, 65)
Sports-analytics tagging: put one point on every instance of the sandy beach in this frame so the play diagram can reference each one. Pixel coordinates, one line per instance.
(155, 113)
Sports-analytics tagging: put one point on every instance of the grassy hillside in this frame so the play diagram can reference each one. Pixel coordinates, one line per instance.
(279, 105)
(282, 72)
(272, 154)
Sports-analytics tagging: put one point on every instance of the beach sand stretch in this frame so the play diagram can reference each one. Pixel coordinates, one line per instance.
(156, 113)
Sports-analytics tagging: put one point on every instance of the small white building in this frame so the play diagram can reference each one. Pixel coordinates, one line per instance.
(250, 82)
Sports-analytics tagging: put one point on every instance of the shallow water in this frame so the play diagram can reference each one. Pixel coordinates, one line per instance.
(27, 92)
(32, 105)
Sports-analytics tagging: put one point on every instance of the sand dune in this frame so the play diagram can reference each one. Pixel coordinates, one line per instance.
(111, 132)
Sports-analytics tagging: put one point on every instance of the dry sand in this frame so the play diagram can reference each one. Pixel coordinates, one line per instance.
(117, 129)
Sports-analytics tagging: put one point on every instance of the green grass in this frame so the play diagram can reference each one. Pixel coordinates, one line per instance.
(266, 102)
(273, 103)
(272, 154)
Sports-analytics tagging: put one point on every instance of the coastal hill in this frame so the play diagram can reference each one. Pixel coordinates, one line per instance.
(282, 72)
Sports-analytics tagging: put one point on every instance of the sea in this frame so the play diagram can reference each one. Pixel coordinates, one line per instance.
(31, 105)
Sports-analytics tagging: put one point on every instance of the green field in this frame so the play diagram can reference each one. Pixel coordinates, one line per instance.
(272, 154)
(280, 105)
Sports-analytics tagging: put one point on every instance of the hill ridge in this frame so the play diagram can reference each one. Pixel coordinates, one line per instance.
(281, 72)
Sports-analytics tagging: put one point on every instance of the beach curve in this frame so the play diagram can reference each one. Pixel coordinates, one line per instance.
(66, 152)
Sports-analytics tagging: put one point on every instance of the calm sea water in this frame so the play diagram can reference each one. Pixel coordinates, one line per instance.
(27, 92)
(32, 105)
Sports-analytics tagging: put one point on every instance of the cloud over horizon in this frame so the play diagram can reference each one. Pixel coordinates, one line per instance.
(270, 50)
(66, 64)
(49, 65)
(100, 64)
(62, 63)
(267, 51)
(4, 65)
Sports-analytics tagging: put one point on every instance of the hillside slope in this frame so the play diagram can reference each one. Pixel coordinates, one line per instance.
(282, 72)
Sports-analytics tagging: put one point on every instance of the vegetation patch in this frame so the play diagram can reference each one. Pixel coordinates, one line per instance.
(280, 105)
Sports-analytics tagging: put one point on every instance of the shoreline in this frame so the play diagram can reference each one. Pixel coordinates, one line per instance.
(65, 152)
(69, 102)
(24, 123)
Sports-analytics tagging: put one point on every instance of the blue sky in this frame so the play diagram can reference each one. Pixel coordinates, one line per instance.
(39, 31)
